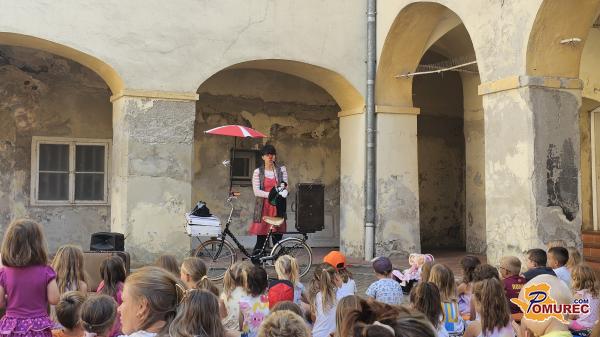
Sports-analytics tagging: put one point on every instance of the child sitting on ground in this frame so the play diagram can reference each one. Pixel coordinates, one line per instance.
(68, 313)
(323, 305)
(198, 315)
(464, 289)
(485, 271)
(443, 278)
(385, 289)
(557, 259)
(233, 289)
(98, 314)
(254, 307)
(338, 261)
(510, 268)
(193, 274)
(587, 287)
(286, 268)
(425, 297)
(536, 264)
(68, 265)
(113, 275)
(490, 303)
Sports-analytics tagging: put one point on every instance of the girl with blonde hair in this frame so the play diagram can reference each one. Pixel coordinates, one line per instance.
(442, 277)
(151, 296)
(233, 290)
(193, 274)
(586, 286)
(68, 265)
(323, 305)
(287, 269)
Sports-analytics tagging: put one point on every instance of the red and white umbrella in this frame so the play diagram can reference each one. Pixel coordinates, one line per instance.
(235, 131)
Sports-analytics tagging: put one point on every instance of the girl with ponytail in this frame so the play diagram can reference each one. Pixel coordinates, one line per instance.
(112, 271)
(151, 297)
(323, 304)
(193, 274)
(98, 315)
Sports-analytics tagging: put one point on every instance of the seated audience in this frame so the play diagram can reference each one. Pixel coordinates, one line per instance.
(586, 287)
(254, 307)
(425, 297)
(338, 261)
(284, 323)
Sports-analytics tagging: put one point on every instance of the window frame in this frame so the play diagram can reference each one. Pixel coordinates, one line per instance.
(254, 157)
(36, 141)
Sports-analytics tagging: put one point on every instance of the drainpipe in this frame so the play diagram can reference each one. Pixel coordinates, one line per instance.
(371, 132)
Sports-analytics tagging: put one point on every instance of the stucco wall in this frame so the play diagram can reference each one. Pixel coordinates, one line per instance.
(45, 95)
(441, 158)
(300, 120)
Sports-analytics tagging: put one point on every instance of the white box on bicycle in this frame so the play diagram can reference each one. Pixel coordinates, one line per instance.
(202, 226)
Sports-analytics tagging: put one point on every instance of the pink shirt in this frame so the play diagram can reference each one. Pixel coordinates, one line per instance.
(26, 290)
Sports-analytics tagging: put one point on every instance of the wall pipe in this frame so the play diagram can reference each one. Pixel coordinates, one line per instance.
(371, 132)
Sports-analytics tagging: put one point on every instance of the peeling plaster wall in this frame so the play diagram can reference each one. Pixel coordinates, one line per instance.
(46, 95)
(301, 121)
(441, 158)
(557, 164)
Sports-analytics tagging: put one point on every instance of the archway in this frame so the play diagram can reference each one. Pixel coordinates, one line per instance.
(449, 125)
(55, 138)
(296, 105)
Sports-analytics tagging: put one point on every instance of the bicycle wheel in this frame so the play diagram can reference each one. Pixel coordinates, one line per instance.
(217, 255)
(298, 249)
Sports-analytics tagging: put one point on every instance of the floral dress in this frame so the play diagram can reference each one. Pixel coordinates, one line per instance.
(254, 311)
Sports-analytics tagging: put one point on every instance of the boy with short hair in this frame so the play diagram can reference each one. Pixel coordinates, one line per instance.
(385, 289)
(510, 268)
(536, 264)
(557, 259)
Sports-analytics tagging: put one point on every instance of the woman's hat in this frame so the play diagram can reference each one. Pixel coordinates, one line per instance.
(268, 149)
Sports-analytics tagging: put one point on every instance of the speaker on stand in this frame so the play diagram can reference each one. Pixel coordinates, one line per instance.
(107, 241)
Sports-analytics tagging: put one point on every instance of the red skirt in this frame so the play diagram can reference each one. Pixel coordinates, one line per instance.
(262, 228)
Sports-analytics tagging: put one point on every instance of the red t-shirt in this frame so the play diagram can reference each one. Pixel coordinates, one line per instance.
(512, 287)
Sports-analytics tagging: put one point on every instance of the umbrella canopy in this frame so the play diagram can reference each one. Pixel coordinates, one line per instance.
(235, 131)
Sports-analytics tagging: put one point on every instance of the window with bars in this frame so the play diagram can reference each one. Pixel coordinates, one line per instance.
(244, 163)
(69, 171)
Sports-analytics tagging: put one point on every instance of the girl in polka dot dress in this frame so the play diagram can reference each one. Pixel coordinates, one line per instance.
(27, 283)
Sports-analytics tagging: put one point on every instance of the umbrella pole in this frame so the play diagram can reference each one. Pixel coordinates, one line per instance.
(231, 166)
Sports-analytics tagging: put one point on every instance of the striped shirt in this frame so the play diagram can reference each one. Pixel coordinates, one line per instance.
(268, 174)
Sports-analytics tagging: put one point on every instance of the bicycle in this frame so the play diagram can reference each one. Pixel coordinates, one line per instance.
(219, 254)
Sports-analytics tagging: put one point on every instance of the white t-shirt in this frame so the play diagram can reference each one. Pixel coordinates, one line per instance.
(563, 274)
(347, 289)
(325, 321)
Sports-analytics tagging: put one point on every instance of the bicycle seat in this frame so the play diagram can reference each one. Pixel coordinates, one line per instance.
(273, 220)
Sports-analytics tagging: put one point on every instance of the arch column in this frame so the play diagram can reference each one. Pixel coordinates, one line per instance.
(352, 182)
(532, 163)
(153, 135)
(397, 225)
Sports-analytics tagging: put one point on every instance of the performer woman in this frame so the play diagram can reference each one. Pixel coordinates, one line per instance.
(264, 179)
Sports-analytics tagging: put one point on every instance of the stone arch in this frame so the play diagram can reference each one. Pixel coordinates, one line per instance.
(558, 20)
(416, 28)
(103, 69)
(345, 94)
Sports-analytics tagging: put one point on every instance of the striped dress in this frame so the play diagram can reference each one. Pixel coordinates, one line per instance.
(453, 321)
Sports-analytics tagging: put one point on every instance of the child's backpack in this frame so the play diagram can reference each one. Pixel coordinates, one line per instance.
(279, 291)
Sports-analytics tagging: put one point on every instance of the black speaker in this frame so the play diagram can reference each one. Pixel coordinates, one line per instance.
(310, 207)
(107, 241)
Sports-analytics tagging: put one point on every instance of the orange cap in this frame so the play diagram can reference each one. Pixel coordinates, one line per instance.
(336, 259)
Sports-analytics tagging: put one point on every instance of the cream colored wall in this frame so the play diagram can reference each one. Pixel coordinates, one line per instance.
(176, 47)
